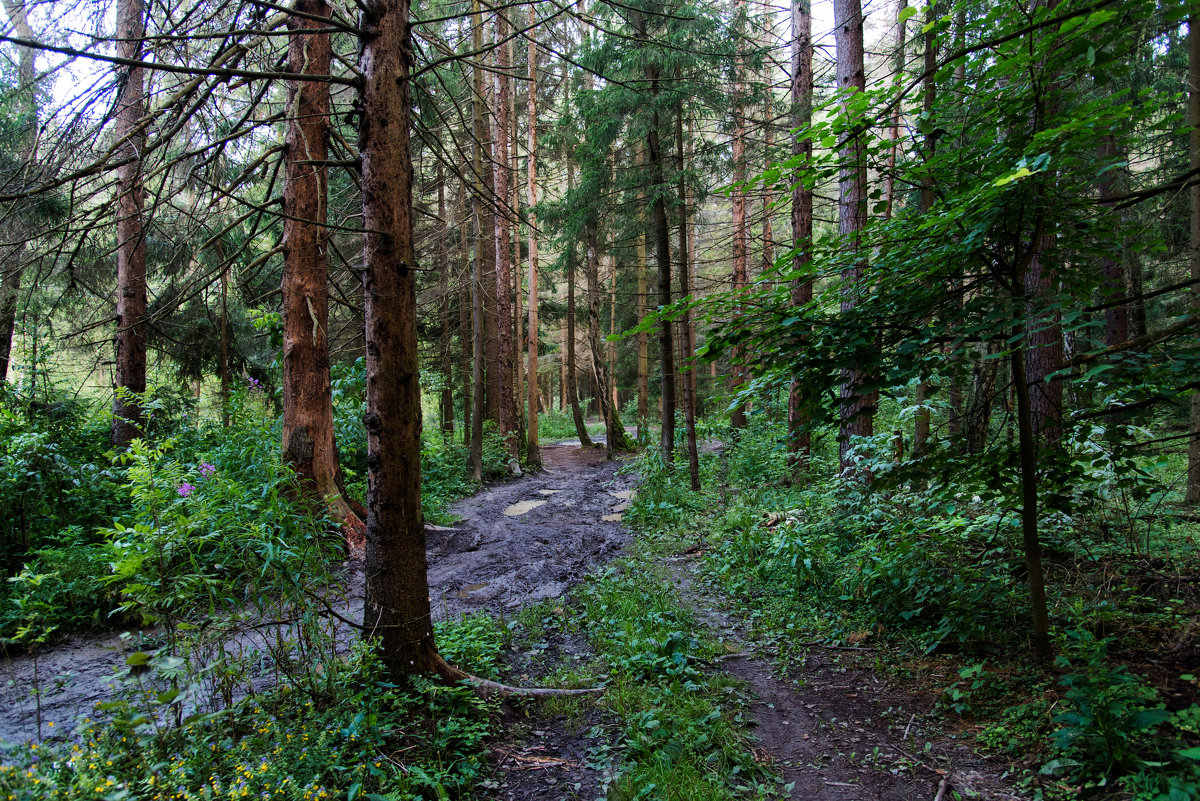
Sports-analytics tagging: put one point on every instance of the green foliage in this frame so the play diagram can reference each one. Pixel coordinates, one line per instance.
(1115, 728)
(679, 724)
(367, 739)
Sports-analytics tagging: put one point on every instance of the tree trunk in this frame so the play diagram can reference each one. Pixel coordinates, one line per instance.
(741, 232)
(688, 343)
(10, 286)
(506, 366)
(535, 456)
(447, 403)
(1029, 506)
(479, 273)
(922, 419)
(978, 412)
(129, 370)
(889, 179)
(396, 609)
(572, 371)
(308, 437)
(800, 440)
(858, 406)
(662, 252)
(643, 337)
(1192, 493)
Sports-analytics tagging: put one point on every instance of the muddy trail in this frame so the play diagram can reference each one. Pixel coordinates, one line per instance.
(827, 725)
(514, 544)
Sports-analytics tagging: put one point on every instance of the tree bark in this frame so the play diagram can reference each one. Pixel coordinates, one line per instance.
(688, 342)
(572, 369)
(506, 366)
(396, 609)
(1192, 492)
(799, 439)
(858, 406)
(741, 232)
(643, 337)
(308, 436)
(129, 372)
(14, 267)
(535, 457)
(922, 418)
(479, 272)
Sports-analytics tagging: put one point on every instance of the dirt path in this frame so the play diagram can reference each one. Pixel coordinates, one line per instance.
(515, 544)
(832, 729)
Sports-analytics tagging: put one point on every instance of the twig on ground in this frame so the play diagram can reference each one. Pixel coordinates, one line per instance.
(941, 791)
(909, 726)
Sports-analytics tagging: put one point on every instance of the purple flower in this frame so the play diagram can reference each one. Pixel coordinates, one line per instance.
(206, 470)
(185, 489)
(254, 384)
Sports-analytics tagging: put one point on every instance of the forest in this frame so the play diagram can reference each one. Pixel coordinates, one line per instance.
(599, 399)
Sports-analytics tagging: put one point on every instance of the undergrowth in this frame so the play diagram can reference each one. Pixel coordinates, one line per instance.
(931, 571)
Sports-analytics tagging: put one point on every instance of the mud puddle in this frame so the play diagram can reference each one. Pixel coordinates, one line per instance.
(488, 561)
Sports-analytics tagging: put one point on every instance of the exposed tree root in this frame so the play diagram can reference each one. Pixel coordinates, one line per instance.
(486, 688)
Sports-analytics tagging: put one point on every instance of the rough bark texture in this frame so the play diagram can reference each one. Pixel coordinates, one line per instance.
(978, 412)
(688, 333)
(1192, 494)
(741, 231)
(397, 589)
(479, 272)
(535, 458)
(800, 442)
(921, 419)
(858, 407)
(14, 260)
(308, 437)
(129, 371)
(506, 350)
(643, 337)
(572, 368)
(1116, 318)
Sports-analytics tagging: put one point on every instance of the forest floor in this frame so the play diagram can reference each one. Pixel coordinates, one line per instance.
(827, 724)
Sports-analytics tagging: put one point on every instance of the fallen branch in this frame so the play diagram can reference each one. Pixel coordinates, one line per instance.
(828, 647)
(486, 687)
(941, 791)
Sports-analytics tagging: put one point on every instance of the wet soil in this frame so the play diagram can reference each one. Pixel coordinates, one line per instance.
(825, 722)
(831, 728)
(488, 561)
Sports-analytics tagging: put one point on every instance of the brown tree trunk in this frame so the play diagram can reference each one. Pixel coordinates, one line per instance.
(396, 609)
(922, 419)
(662, 253)
(129, 372)
(889, 179)
(572, 370)
(506, 366)
(978, 412)
(643, 337)
(479, 271)
(858, 406)
(308, 438)
(14, 263)
(687, 333)
(535, 457)
(1192, 492)
(741, 231)
(1116, 318)
(799, 440)
(447, 402)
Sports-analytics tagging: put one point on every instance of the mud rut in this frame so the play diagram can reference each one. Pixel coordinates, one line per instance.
(832, 729)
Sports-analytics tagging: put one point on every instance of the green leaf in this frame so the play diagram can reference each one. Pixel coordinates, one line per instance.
(906, 13)
(1189, 753)
(1023, 172)
(137, 659)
